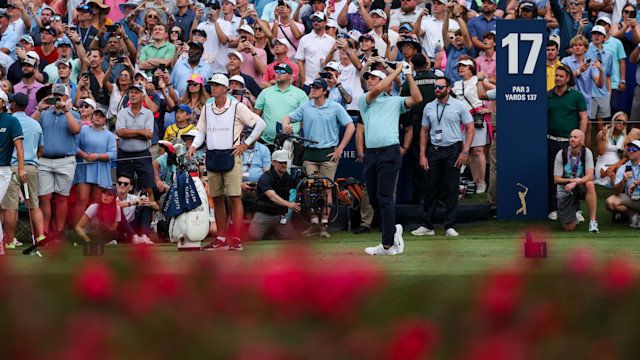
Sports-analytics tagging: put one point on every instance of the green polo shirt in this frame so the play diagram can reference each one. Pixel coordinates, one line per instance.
(275, 105)
(562, 112)
(150, 51)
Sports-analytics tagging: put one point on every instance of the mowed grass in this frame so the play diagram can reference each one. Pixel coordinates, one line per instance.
(479, 248)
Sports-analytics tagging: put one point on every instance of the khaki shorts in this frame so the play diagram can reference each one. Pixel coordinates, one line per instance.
(11, 199)
(221, 183)
(633, 205)
(56, 175)
(325, 168)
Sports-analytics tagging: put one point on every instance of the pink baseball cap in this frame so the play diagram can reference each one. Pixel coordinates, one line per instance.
(196, 78)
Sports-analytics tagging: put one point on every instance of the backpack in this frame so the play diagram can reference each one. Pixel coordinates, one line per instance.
(350, 192)
(582, 159)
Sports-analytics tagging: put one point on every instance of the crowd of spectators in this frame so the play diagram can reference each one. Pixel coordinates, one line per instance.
(129, 82)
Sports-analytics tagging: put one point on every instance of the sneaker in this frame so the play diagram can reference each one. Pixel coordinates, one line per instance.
(398, 241)
(380, 250)
(236, 245)
(481, 188)
(324, 233)
(579, 217)
(593, 227)
(112, 242)
(451, 232)
(145, 239)
(635, 221)
(217, 244)
(40, 238)
(16, 242)
(362, 230)
(10, 246)
(135, 240)
(312, 230)
(553, 216)
(422, 231)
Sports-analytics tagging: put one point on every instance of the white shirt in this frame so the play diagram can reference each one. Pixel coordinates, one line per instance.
(380, 44)
(313, 49)
(17, 27)
(399, 17)
(350, 78)
(214, 46)
(93, 227)
(129, 211)
(432, 33)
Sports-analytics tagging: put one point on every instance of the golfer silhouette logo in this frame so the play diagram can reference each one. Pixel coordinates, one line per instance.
(523, 195)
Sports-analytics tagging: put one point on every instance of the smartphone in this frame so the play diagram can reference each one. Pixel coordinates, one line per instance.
(253, 184)
(588, 61)
(150, 5)
(628, 168)
(385, 29)
(632, 15)
(325, 75)
(111, 28)
(85, 74)
(250, 7)
(120, 59)
(237, 92)
(55, 100)
(585, 15)
(162, 67)
(332, 3)
(19, 45)
(155, 81)
(73, 28)
(280, 2)
(374, 52)
(143, 194)
(243, 38)
(428, 7)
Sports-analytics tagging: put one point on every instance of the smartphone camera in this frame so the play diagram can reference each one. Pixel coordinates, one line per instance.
(325, 75)
(53, 100)
(237, 92)
(120, 59)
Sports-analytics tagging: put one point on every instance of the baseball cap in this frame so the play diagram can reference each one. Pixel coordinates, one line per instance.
(137, 87)
(366, 37)
(184, 107)
(320, 82)
(600, 29)
(282, 41)
(418, 60)
(406, 26)
(29, 61)
(49, 29)
(237, 54)
(65, 62)
(237, 78)
(33, 54)
(443, 1)
(332, 65)
(196, 78)
(101, 111)
(60, 89)
(230, 1)
(3, 13)
(111, 190)
(528, 5)
(319, 15)
(378, 12)
(64, 41)
(332, 23)
(285, 67)
(354, 34)
(465, 62)
(88, 101)
(247, 28)
(603, 19)
(555, 38)
(411, 42)
(21, 99)
(197, 44)
(280, 156)
(3, 96)
(219, 79)
(636, 143)
(192, 133)
(377, 73)
(199, 31)
(27, 38)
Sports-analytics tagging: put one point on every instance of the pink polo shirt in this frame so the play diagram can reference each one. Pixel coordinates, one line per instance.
(270, 73)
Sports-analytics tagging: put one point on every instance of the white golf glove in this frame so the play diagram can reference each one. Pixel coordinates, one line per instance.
(406, 68)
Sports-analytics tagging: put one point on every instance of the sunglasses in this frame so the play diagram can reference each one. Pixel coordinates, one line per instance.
(153, 17)
(176, 32)
(575, 3)
(439, 87)
(632, 149)
(84, 7)
(316, 20)
(191, 83)
(84, 106)
(257, 29)
(278, 71)
(628, 11)
(56, 18)
(123, 183)
(404, 31)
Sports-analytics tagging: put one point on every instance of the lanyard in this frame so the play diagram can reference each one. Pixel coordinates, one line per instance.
(574, 167)
(439, 116)
(249, 160)
(615, 142)
(85, 34)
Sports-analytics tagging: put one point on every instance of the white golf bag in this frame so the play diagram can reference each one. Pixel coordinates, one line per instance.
(190, 228)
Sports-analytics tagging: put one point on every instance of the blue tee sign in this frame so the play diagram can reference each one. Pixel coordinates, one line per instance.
(522, 115)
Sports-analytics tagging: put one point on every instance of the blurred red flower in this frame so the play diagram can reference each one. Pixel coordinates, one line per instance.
(414, 339)
(618, 275)
(581, 261)
(500, 294)
(94, 281)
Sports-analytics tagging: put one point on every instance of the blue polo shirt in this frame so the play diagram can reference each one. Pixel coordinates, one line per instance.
(479, 25)
(10, 131)
(255, 160)
(8, 40)
(185, 21)
(584, 82)
(182, 71)
(58, 139)
(33, 137)
(453, 55)
(381, 119)
(132, 35)
(607, 68)
(73, 86)
(635, 169)
(448, 119)
(322, 124)
(614, 47)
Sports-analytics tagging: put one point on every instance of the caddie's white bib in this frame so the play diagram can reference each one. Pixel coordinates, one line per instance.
(220, 127)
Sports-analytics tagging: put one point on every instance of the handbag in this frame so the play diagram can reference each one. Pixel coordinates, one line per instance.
(478, 119)
(220, 160)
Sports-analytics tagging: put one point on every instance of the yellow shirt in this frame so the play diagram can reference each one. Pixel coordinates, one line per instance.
(551, 75)
(174, 132)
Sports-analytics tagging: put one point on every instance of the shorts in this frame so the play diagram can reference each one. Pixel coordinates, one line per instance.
(5, 178)
(221, 183)
(56, 175)
(568, 204)
(600, 107)
(633, 205)
(11, 199)
(143, 168)
(325, 168)
(155, 151)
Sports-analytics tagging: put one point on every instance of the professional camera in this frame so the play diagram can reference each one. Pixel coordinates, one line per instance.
(313, 195)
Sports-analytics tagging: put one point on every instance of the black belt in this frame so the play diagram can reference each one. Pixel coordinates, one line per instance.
(56, 157)
(384, 148)
(438, 148)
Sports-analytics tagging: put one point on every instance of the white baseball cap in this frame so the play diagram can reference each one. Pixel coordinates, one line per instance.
(282, 41)
(378, 12)
(318, 14)
(3, 96)
(600, 29)
(332, 65)
(377, 73)
(246, 28)
(236, 53)
(33, 54)
(280, 156)
(237, 78)
(219, 79)
(88, 101)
